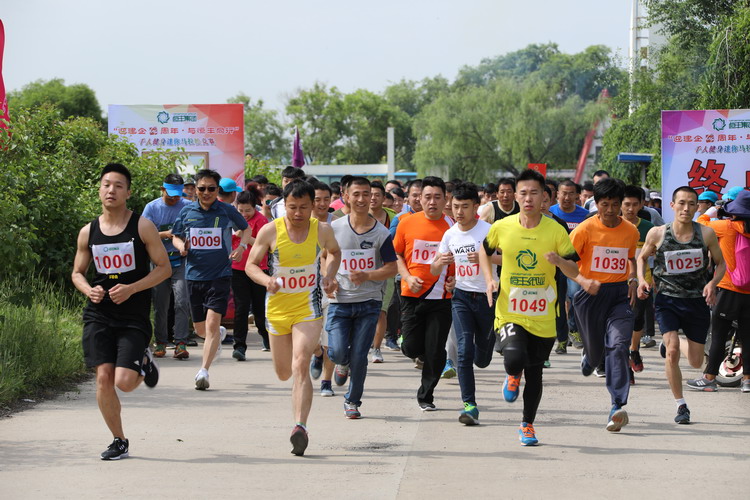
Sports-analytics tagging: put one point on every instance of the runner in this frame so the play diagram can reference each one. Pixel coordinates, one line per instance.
(384, 216)
(204, 230)
(605, 244)
(531, 245)
(504, 205)
(425, 306)
(116, 319)
(163, 213)
(684, 290)
(293, 305)
(276, 208)
(472, 317)
(367, 260)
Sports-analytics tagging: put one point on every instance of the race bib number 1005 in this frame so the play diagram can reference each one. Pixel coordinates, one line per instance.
(357, 260)
(114, 258)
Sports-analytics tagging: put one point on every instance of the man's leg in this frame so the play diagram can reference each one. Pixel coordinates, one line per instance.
(619, 331)
(106, 397)
(258, 293)
(181, 305)
(161, 297)
(365, 318)
(591, 325)
(281, 355)
(465, 326)
(672, 363)
(242, 300)
(209, 330)
(380, 330)
(305, 338)
(437, 326)
(537, 351)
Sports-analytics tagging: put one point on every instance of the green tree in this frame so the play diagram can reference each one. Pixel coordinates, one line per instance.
(319, 114)
(264, 132)
(72, 100)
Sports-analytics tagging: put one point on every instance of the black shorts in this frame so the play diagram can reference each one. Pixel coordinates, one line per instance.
(120, 346)
(731, 305)
(692, 315)
(205, 295)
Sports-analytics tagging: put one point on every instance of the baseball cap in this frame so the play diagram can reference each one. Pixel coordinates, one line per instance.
(708, 196)
(228, 185)
(732, 193)
(173, 189)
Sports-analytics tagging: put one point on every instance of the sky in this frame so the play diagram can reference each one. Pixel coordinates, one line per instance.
(204, 52)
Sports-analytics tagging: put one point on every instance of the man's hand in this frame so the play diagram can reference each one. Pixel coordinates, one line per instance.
(632, 293)
(120, 293)
(181, 246)
(553, 258)
(445, 259)
(473, 257)
(450, 284)
(709, 292)
(414, 283)
(590, 286)
(236, 254)
(358, 277)
(273, 285)
(491, 289)
(330, 286)
(96, 294)
(644, 289)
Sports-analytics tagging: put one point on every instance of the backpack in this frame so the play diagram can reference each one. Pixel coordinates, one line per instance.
(740, 275)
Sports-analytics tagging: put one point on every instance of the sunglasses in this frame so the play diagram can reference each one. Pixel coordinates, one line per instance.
(211, 189)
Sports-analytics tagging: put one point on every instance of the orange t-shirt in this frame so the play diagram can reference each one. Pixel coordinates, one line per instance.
(726, 230)
(605, 251)
(417, 240)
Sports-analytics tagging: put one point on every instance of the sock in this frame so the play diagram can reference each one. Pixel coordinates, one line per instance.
(680, 402)
(302, 425)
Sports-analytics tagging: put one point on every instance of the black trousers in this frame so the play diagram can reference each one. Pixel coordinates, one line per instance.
(248, 293)
(425, 327)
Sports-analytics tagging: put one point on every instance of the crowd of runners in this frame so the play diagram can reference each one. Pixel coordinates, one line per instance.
(448, 273)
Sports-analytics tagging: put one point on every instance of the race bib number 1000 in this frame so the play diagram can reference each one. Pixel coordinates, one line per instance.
(114, 258)
(205, 238)
(610, 260)
(424, 251)
(683, 261)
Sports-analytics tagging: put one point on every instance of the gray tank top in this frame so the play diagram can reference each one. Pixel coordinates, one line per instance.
(681, 269)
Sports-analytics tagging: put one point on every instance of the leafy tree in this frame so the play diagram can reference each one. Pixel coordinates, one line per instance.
(518, 64)
(319, 114)
(72, 100)
(264, 132)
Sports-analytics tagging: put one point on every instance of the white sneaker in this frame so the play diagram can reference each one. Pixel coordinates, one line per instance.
(377, 356)
(201, 380)
(222, 336)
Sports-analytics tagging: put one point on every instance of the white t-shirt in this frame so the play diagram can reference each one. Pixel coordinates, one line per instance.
(460, 243)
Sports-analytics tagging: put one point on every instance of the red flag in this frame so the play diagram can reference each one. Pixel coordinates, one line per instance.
(3, 99)
(298, 157)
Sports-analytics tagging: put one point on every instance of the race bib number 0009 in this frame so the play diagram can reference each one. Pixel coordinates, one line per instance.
(357, 260)
(610, 260)
(684, 261)
(205, 238)
(424, 251)
(297, 279)
(114, 258)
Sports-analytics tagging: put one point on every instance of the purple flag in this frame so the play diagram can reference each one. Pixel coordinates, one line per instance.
(298, 157)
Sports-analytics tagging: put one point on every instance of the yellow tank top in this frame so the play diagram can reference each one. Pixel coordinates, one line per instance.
(296, 266)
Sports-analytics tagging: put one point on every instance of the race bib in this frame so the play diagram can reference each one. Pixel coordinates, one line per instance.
(610, 260)
(114, 258)
(357, 260)
(424, 251)
(205, 238)
(683, 261)
(464, 268)
(530, 301)
(297, 279)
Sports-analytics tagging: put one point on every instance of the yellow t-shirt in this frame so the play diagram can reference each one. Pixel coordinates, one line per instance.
(528, 291)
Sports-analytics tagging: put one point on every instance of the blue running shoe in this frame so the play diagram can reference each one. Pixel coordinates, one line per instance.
(618, 418)
(392, 345)
(341, 374)
(449, 371)
(586, 368)
(316, 366)
(527, 435)
(469, 415)
(511, 387)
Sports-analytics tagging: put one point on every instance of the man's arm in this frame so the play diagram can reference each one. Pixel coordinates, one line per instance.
(488, 214)
(485, 267)
(328, 241)
(712, 242)
(81, 264)
(263, 244)
(653, 237)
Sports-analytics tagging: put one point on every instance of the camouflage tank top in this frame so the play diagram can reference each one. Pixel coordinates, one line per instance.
(681, 269)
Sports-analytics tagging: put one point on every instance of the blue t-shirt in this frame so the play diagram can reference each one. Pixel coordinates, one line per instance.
(209, 233)
(163, 217)
(573, 218)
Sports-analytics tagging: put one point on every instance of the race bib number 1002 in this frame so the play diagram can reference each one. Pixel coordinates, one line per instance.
(610, 260)
(114, 258)
(297, 279)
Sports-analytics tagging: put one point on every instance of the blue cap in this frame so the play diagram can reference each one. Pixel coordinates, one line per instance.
(228, 185)
(708, 196)
(732, 193)
(173, 189)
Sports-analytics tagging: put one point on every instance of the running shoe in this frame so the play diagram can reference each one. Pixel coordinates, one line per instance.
(683, 415)
(469, 415)
(618, 418)
(341, 374)
(149, 369)
(325, 389)
(239, 353)
(222, 334)
(449, 371)
(160, 350)
(562, 348)
(391, 344)
(299, 440)
(316, 366)
(527, 435)
(191, 341)
(180, 352)
(586, 368)
(577, 340)
(351, 410)
(201, 380)
(377, 356)
(600, 371)
(424, 406)
(703, 384)
(546, 363)
(663, 350)
(636, 362)
(265, 349)
(647, 342)
(511, 387)
(117, 450)
(745, 385)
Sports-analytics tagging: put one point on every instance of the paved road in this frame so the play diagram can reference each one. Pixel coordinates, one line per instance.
(232, 441)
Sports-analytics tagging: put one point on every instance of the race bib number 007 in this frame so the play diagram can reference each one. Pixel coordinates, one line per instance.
(610, 260)
(684, 261)
(357, 260)
(205, 238)
(297, 279)
(114, 258)
(424, 251)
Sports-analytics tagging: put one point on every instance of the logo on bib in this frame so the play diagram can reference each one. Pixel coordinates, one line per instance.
(526, 260)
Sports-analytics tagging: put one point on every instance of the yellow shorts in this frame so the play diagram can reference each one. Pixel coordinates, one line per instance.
(283, 325)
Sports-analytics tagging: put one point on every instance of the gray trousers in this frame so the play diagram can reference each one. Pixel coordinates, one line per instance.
(161, 295)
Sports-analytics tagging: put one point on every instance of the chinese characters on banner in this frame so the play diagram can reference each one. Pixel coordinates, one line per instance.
(216, 130)
(707, 150)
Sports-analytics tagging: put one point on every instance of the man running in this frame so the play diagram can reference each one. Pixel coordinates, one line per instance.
(504, 205)
(531, 245)
(293, 300)
(116, 319)
(606, 246)
(203, 230)
(367, 260)
(472, 316)
(684, 290)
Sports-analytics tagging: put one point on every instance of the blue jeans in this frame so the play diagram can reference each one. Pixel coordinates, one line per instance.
(573, 288)
(351, 330)
(472, 320)
(176, 285)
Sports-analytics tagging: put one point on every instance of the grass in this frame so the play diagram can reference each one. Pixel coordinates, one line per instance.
(40, 339)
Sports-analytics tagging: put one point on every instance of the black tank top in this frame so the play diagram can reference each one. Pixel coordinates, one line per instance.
(120, 259)
(681, 269)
